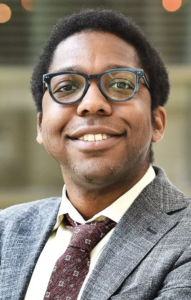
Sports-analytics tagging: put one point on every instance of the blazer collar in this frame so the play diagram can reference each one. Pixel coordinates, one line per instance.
(141, 227)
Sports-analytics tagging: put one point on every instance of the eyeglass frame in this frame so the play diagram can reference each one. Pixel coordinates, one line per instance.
(139, 73)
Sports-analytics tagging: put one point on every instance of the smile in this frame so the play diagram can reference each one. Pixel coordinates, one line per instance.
(94, 137)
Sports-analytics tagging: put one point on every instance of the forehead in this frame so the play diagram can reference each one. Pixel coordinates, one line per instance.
(94, 52)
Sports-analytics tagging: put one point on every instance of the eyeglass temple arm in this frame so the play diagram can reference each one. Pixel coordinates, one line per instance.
(146, 82)
(45, 86)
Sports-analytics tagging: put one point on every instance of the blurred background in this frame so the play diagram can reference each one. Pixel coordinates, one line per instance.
(26, 171)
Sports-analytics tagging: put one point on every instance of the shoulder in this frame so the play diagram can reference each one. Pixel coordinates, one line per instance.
(163, 185)
(163, 192)
(21, 211)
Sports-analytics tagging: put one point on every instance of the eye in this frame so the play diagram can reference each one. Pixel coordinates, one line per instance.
(121, 84)
(66, 87)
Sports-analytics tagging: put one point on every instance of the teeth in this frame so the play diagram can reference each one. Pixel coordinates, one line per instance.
(94, 137)
(104, 136)
(91, 138)
(98, 137)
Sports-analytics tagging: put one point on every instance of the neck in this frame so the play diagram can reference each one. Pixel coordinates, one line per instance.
(90, 200)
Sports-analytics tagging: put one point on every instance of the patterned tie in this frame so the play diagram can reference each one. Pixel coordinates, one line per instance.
(72, 267)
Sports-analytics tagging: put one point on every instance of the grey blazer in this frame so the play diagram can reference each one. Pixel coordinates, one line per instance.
(147, 257)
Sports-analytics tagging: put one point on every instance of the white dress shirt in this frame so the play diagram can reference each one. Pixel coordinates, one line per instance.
(60, 236)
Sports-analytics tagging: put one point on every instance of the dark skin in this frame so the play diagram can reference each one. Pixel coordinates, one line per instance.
(97, 173)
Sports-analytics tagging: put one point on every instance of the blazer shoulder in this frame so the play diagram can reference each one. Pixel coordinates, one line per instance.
(21, 211)
(167, 195)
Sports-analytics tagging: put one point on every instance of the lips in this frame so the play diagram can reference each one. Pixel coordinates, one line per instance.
(94, 138)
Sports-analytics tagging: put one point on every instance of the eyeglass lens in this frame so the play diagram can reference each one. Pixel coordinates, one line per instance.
(117, 85)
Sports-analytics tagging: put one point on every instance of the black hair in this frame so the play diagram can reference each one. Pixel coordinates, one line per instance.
(106, 21)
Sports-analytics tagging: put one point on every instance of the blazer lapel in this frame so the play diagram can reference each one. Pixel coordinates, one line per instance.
(28, 236)
(142, 226)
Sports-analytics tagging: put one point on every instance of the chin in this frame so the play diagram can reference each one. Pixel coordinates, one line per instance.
(101, 177)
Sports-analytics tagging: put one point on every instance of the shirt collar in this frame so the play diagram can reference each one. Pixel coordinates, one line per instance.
(115, 211)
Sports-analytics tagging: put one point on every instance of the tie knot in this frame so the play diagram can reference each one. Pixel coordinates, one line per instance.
(88, 235)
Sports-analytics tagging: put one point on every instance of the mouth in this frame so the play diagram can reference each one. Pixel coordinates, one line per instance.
(95, 133)
(96, 138)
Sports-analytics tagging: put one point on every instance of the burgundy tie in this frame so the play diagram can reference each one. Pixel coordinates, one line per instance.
(72, 267)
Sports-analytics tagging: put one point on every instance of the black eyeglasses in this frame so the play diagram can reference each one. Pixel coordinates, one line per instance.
(117, 85)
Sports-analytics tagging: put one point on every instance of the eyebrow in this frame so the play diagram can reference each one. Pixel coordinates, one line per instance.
(78, 68)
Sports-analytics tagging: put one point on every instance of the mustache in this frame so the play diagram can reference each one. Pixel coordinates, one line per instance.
(90, 121)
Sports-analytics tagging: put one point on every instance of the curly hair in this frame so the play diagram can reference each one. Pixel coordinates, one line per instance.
(104, 20)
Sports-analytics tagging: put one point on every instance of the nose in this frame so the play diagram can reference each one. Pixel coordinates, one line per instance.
(94, 102)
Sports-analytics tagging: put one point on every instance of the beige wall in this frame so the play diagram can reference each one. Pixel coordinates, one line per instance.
(28, 173)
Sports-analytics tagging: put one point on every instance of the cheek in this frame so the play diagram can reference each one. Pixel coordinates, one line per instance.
(137, 116)
(134, 112)
(55, 116)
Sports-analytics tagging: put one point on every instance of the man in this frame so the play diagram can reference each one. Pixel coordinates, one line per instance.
(100, 107)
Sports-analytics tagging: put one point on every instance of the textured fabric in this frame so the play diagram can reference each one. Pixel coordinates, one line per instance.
(60, 237)
(72, 267)
(148, 256)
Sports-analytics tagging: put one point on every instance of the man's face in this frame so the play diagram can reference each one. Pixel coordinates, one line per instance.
(123, 131)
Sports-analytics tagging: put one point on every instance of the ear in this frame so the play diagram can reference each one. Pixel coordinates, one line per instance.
(39, 137)
(159, 124)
